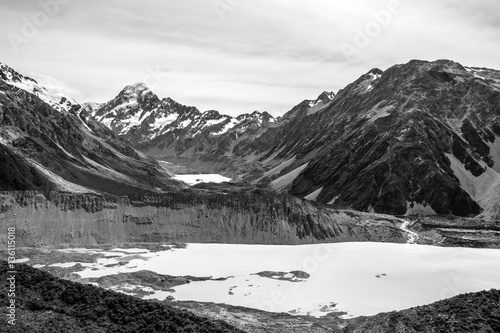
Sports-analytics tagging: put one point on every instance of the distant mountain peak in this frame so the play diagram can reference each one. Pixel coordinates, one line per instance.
(137, 89)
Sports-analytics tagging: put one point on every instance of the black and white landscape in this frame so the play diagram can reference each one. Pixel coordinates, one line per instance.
(235, 166)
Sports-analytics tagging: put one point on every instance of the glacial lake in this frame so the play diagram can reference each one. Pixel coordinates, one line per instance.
(359, 278)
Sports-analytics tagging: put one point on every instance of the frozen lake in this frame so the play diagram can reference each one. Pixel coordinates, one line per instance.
(361, 278)
(201, 178)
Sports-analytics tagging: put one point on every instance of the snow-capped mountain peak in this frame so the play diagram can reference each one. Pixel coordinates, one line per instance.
(136, 88)
(137, 114)
(58, 101)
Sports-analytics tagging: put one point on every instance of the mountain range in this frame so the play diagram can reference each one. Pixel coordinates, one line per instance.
(418, 138)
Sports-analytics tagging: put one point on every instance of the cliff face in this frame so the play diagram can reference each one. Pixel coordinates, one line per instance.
(86, 219)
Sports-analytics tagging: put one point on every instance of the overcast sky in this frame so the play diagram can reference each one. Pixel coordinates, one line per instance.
(237, 56)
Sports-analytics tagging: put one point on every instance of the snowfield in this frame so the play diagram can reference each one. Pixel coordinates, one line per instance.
(361, 278)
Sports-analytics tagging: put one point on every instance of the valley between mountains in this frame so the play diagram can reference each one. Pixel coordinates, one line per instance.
(403, 164)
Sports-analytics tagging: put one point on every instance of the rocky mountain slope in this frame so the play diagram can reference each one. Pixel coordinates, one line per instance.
(49, 143)
(419, 138)
(57, 101)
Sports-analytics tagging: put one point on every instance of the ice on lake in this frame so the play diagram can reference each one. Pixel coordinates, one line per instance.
(201, 178)
(361, 278)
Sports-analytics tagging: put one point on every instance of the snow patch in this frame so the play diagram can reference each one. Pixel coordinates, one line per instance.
(314, 195)
(184, 124)
(212, 122)
(233, 122)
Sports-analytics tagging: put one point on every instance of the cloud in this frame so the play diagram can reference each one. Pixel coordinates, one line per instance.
(265, 55)
(56, 86)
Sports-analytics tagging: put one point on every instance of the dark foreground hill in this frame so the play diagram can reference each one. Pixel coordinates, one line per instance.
(45, 303)
(472, 312)
(48, 304)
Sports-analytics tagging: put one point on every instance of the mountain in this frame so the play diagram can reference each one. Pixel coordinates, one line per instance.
(50, 143)
(418, 138)
(166, 129)
(56, 100)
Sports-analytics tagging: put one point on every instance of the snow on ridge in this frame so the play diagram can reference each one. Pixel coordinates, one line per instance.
(136, 88)
(56, 100)
(212, 122)
(330, 95)
(314, 103)
(374, 78)
(230, 125)
(160, 123)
